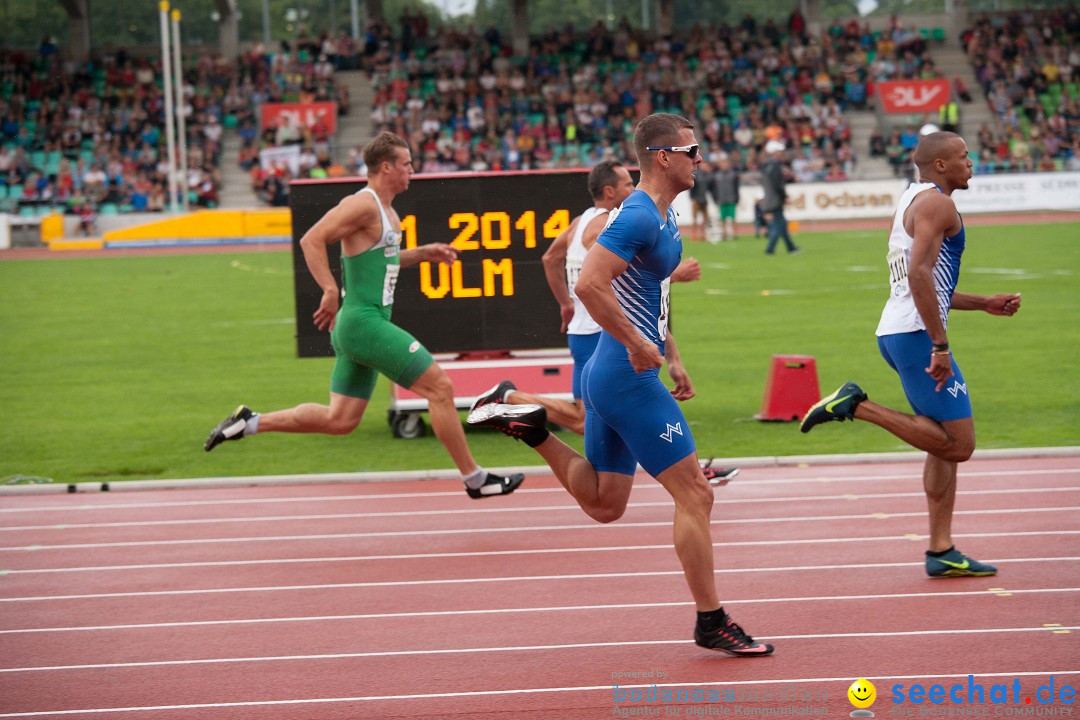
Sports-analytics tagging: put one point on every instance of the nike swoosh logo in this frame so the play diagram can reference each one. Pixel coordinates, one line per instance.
(959, 566)
(829, 406)
(514, 424)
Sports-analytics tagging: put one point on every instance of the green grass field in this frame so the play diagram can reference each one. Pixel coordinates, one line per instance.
(117, 367)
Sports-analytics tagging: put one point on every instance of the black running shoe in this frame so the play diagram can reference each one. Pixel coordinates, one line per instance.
(231, 428)
(495, 485)
(521, 422)
(730, 638)
(717, 476)
(838, 406)
(496, 394)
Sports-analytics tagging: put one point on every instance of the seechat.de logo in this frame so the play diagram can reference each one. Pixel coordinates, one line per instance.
(862, 695)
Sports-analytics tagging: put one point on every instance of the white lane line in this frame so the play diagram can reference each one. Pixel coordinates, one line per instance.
(525, 691)
(502, 510)
(522, 648)
(644, 484)
(350, 586)
(482, 553)
(503, 611)
(478, 531)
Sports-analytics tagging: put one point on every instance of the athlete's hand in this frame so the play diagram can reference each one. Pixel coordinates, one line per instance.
(1004, 304)
(328, 308)
(646, 357)
(940, 369)
(688, 270)
(684, 389)
(566, 314)
(441, 252)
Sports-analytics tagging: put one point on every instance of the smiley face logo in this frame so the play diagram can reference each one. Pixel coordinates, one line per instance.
(862, 693)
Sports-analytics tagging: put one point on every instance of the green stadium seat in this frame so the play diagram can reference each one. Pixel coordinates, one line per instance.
(15, 191)
(109, 209)
(27, 211)
(925, 33)
(3, 192)
(938, 34)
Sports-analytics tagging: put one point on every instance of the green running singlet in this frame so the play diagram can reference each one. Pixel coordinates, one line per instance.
(365, 341)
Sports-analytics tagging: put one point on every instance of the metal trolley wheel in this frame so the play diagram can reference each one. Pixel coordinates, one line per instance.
(406, 425)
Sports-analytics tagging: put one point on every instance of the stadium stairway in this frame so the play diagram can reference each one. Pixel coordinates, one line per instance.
(354, 129)
(951, 61)
(862, 124)
(236, 192)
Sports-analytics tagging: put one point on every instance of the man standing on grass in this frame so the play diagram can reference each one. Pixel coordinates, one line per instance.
(630, 416)
(925, 246)
(365, 342)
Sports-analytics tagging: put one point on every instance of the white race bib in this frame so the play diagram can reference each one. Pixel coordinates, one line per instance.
(665, 308)
(389, 283)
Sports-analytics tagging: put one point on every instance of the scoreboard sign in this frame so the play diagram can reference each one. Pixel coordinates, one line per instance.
(495, 297)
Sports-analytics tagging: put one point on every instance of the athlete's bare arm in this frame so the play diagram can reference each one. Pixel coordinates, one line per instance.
(594, 289)
(432, 252)
(554, 260)
(684, 388)
(350, 218)
(1002, 304)
(928, 220)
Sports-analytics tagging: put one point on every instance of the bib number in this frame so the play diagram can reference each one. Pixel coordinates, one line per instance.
(573, 272)
(898, 266)
(389, 283)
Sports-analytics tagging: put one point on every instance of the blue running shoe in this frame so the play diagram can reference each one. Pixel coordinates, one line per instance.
(956, 564)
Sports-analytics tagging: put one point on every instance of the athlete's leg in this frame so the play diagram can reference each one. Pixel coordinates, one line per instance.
(340, 417)
(939, 481)
(434, 385)
(692, 533)
(951, 440)
(570, 415)
(602, 495)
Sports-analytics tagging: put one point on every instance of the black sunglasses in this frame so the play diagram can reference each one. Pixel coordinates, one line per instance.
(690, 150)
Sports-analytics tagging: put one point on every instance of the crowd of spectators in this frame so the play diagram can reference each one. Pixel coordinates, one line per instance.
(90, 137)
(466, 102)
(1027, 66)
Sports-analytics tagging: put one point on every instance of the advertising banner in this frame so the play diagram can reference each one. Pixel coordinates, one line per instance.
(913, 96)
(300, 114)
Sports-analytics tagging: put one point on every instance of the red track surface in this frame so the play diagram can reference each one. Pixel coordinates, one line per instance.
(409, 600)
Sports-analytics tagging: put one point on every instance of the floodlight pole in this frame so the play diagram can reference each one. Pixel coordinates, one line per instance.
(166, 70)
(181, 120)
(266, 24)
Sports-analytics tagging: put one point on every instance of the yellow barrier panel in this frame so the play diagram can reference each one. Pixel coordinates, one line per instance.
(215, 224)
(52, 227)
